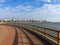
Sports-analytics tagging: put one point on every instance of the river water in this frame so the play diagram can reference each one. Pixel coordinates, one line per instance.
(55, 25)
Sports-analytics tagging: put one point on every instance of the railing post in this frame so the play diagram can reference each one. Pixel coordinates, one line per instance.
(45, 31)
(58, 36)
(38, 29)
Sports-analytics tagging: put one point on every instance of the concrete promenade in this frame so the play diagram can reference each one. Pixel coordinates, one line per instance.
(16, 36)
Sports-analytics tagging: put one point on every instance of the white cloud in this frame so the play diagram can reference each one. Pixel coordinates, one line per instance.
(51, 12)
(52, 9)
(22, 8)
(2, 0)
(47, 0)
(46, 10)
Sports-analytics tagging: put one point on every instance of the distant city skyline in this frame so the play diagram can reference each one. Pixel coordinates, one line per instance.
(30, 9)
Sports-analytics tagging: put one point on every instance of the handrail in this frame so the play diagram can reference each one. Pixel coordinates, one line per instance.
(45, 32)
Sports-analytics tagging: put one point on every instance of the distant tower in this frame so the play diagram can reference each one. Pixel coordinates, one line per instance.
(13, 19)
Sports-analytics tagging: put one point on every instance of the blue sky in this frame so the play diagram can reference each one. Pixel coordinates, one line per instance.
(30, 9)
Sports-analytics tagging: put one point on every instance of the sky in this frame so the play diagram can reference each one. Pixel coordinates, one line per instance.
(30, 9)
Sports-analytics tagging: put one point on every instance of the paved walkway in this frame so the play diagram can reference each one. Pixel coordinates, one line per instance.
(7, 35)
(16, 36)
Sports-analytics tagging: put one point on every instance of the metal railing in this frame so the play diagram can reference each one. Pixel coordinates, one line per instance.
(47, 32)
